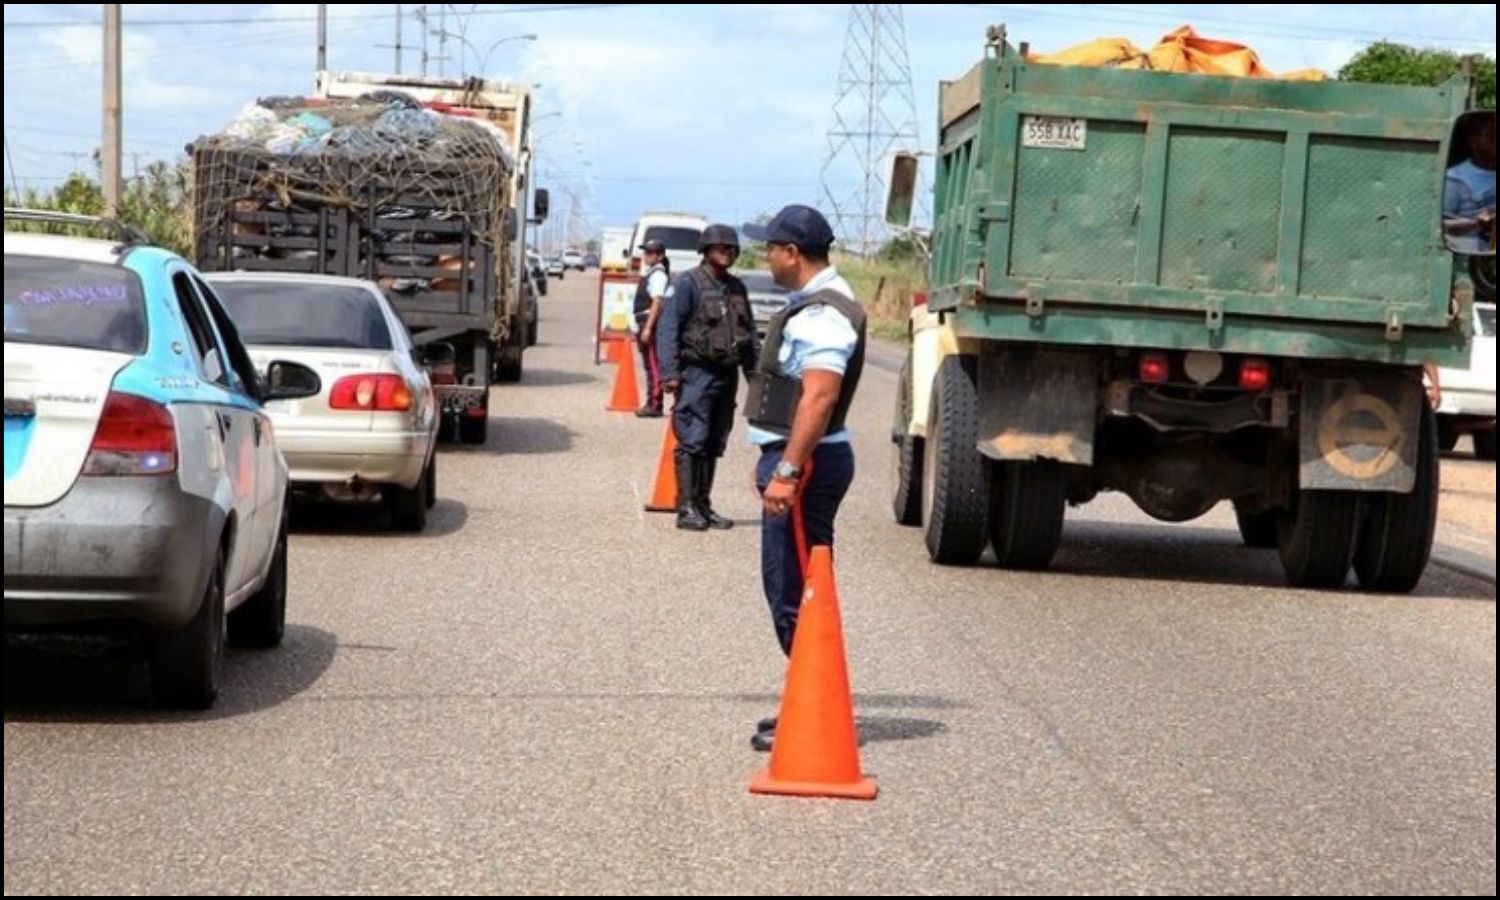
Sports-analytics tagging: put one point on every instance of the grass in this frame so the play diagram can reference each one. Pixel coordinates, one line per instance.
(885, 289)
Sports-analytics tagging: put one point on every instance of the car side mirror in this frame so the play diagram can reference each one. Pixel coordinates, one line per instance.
(290, 381)
(540, 203)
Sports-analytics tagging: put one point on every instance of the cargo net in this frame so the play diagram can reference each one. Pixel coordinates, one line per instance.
(377, 187)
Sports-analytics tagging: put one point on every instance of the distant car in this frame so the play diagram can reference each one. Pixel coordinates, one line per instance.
(767, 298)
(555, 267)
(573, 259)
(1467, 404)
(591, 260)
(372, 431)
(144, 483)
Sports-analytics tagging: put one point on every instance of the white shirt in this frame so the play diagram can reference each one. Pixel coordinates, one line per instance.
(819, 338)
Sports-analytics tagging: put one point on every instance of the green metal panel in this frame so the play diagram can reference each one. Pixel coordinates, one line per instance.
(1074, 214)
(1202, 212)
(1223, 199)
(1370, 232)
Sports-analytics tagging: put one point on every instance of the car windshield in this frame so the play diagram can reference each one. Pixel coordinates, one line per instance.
(286, 313)
(71, 303)
(674, 238)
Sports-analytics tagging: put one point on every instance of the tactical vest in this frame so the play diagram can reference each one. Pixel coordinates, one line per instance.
(773, 399)
(720, 329)
(642, 306)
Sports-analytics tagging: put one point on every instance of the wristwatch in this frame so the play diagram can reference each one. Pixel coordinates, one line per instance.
(785, 471)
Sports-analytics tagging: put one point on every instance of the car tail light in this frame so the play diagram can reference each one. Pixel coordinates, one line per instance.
(1255, 374)
(135, 436)
(365, 393)
(1155, 368)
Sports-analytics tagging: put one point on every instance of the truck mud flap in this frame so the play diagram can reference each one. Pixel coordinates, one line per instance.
(1037, 404)
(1359, 434)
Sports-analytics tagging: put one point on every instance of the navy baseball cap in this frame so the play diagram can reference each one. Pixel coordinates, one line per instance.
(796, 224)
(654, 246)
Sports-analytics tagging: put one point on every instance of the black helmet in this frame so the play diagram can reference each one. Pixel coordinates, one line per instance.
(718, 235)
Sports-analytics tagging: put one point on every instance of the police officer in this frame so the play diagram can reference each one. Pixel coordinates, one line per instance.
(704, 336)
(648, 302)
(800, 395)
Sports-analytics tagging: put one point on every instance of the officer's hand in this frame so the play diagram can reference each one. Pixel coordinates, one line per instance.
(779, 496)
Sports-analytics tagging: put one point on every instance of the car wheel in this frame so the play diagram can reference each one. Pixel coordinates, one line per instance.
(187, 663)
(261, 620)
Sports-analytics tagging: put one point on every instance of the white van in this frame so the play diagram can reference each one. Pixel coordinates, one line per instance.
(679, 231)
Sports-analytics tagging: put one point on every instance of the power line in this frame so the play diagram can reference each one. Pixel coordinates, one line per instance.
(357, 17)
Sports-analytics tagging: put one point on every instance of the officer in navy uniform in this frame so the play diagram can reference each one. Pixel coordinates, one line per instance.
(799, 399)
(704, 337)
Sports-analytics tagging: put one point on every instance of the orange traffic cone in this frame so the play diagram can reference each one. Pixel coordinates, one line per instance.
(626, 396)
(664, 497)
(816, 751)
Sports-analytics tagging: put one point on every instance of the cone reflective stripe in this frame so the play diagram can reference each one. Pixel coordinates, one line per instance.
(664, 495)
(626, 396)
(816, 750)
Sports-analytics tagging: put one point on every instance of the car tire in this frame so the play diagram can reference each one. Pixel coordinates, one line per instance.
(409, 506)
(188, 663)
(430, 475)
(261, 620)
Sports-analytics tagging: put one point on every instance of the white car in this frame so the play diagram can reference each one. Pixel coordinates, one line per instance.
(143, 480)
(678, 231)
(573, 259)
(1467, 396)
(372, 431)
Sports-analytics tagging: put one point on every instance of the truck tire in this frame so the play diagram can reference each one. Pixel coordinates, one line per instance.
(474, 430)
(1395, 538)
(508, 364)
(1257, 527)
(1026, 512)
(955, 486)
(1447, 435)
(261, 620)
(187, 664)
(1484, 444)
(906, 455)
(1315, 538)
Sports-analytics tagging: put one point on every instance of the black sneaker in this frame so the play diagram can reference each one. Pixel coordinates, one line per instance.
(649, 412)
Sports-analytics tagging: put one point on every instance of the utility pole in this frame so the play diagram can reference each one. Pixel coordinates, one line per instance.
(113, 139)
(322, 37)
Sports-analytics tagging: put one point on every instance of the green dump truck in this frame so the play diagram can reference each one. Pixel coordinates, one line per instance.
(1189, 289)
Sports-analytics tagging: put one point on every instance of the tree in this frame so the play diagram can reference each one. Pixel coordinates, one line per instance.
(1386, 62)
(158, 201)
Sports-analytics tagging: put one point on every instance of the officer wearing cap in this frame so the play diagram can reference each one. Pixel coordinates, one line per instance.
(648, 302)
(705, 335)
(800, 395)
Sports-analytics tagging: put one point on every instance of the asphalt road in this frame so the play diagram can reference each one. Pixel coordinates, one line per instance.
(551, 691)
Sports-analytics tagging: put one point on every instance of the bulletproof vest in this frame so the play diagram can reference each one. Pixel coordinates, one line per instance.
(773, 399)
(642, 295)
(720, 329)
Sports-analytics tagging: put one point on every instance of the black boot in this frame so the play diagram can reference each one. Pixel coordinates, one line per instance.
(688, 516)
(706, 468)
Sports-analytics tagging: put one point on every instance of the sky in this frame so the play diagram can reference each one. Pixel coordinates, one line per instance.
(721, 110)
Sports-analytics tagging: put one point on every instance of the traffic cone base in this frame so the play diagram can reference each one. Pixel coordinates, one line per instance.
(664, 496)
(626, 396)
(763, 783)
(816, 749)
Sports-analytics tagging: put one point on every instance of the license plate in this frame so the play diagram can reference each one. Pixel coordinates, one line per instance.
(1054, 132)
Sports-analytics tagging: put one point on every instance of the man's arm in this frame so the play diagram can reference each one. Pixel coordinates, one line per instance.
(673, 311)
